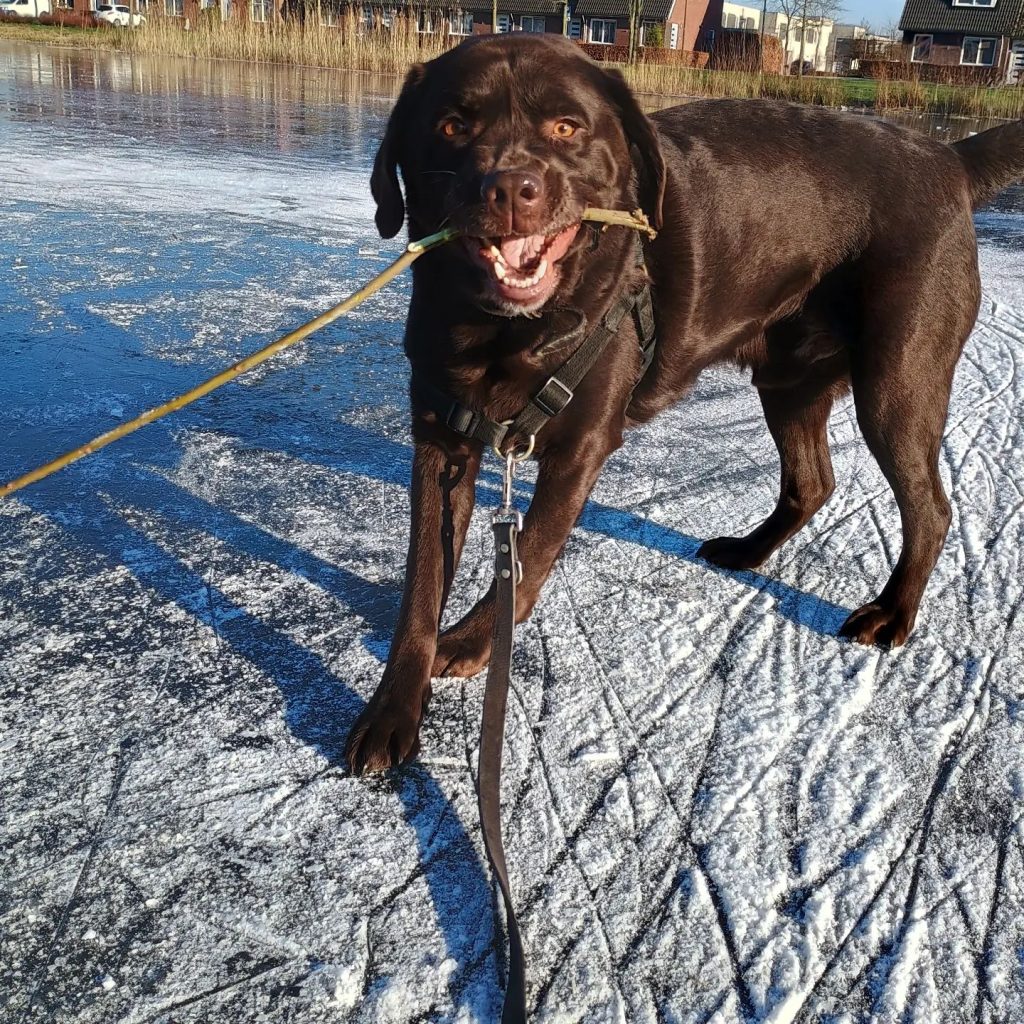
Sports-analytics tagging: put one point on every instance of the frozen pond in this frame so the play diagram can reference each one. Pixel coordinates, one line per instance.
(765, 825)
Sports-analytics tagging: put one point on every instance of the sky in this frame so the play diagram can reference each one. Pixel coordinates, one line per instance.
(878, 13)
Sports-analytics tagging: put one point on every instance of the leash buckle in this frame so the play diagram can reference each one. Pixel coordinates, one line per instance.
(506, 515)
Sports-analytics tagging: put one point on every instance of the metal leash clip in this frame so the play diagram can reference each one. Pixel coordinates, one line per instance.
(505, 514)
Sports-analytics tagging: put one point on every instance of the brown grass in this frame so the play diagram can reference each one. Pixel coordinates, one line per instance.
(345, 46)
(286, 42)
(674, 81)
(951, 100)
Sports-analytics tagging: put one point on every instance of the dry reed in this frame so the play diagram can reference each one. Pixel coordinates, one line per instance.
(344, 43)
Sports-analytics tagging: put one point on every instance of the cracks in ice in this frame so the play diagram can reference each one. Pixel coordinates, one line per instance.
(121, 762)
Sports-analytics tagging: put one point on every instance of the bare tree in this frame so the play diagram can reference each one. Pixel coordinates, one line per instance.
(634, 29)
(788, 8)
(823, 11)
(813, 15)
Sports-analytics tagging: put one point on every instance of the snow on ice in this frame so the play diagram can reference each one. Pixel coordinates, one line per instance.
(716, 811)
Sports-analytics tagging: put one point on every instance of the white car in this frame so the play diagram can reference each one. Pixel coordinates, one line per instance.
(24, 8)
(118, 14)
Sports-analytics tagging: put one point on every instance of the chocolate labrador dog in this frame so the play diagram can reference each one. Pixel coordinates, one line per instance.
(823, 252)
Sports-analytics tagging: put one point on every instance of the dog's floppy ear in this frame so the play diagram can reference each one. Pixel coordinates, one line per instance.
(640, 133)
(384, 186)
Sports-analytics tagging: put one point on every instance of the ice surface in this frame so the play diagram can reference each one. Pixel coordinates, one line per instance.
(715, 810)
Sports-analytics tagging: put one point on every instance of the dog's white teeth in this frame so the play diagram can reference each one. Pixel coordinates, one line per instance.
(506, 276)
(496, 253)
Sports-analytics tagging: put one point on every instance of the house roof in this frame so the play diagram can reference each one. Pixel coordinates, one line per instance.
(652, 10)
(1006, 18)
(514, 6)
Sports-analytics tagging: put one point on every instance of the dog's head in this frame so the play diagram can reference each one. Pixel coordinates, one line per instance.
(509, 139)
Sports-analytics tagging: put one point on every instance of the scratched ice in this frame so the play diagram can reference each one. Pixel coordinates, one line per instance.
(716, 811)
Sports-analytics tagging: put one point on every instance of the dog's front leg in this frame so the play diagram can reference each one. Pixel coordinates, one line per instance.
(564, 482)
(387, 732)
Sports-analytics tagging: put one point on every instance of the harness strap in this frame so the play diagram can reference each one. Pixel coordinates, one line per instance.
(558, 390)
(492, 734)
(644, 313)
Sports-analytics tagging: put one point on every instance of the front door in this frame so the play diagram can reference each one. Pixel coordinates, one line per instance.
(1015, 75)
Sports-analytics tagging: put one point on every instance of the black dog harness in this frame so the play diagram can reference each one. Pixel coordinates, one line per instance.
(560, 387)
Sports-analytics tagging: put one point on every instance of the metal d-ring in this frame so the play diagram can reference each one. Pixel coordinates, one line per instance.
(516, 456)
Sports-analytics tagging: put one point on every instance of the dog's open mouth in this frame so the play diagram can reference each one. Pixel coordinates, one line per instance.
(523, 270)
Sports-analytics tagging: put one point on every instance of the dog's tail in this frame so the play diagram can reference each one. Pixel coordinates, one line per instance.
(994, 159)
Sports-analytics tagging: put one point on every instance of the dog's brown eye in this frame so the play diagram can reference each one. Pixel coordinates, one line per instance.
(564, 130)
(453, 126)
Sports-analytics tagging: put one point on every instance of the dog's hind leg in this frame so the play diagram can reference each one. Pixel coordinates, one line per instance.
(904, 433)
(902, 377)
(797, 418)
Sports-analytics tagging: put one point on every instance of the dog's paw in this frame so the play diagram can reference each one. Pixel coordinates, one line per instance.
(732, 553)
(461, 656)
(386, 735)
(875, 624)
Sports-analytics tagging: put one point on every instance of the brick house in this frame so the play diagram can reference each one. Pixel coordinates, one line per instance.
(521, 16)
(983, 38)
(686, 25)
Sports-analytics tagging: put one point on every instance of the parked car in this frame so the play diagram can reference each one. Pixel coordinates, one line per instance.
(118, 14)
(808, 69)
(24, 8)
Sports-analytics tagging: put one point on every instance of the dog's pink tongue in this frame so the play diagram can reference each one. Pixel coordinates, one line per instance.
(517, 252)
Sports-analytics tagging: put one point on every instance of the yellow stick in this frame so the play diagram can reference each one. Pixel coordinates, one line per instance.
(413, 251)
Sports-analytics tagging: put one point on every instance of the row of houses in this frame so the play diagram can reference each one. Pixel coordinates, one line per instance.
(984, 35)
(684, 25)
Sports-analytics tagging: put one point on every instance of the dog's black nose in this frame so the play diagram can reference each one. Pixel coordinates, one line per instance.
(512, 194)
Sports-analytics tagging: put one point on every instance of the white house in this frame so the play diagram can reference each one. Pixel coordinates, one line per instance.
(815, 37)
(739, 16)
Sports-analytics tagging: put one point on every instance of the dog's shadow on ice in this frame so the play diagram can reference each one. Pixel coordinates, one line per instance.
(319, 708)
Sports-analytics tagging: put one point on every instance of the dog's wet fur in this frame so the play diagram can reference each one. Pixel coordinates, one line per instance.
(824, 252)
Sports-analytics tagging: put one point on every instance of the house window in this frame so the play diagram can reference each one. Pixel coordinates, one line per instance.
(921, 52)
(425, 23)
(366, 18)
(646, 28)
(730, 21)
(531, 23)
(576, 28)
(974, 3)
(462, 23)
(174, 8)
(810, 36)
(329, 16)
(505, 23)
(602, 30)
(978, 52)
(673, 37)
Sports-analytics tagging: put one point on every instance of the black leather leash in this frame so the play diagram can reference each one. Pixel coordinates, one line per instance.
(507, 523)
